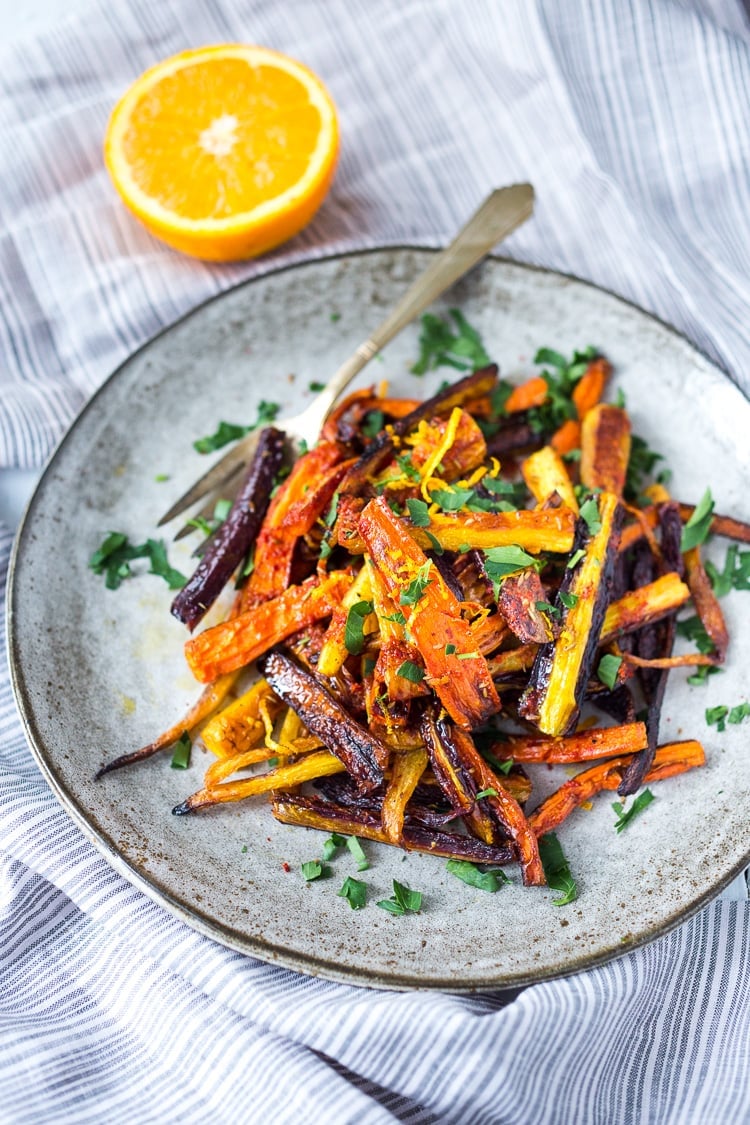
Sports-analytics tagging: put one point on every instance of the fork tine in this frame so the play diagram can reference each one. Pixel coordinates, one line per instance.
(216, 476)
(229, 490)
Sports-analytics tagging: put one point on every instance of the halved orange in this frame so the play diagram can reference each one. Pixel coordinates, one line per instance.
(224, 152)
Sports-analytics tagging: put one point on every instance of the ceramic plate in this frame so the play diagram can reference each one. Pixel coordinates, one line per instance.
(98, 673)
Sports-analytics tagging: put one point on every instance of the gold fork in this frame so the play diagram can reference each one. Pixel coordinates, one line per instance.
(502, 211)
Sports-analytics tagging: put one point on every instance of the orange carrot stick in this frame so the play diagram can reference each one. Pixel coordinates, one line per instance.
(238, 642)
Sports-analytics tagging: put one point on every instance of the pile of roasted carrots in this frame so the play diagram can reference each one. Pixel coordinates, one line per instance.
(432, 594)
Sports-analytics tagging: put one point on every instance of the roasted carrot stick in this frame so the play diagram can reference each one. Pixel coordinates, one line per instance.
(671, 759)
(238, 642)
(531, 393)
(455, 668)
(585, 745)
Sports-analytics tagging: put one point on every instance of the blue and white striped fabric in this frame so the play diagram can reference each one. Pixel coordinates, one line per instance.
(631, 120)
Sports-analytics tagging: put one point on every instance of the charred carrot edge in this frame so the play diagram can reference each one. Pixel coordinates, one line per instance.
(406, 770)
(462, 679)
(505, 807)
(328, 816)
(561, 669)
(655, 640)
(232, 541)
(706, 603)
(601, 742)
(489, 633)
(358, 404)
(518, 599)
(380, 451)
(605, 448)
(669, 760)
(238, 642)
(513, 660)
(365, 395)
(364, 755)
(454, 776)
(531, 393)
(318, 764)
(644, 606)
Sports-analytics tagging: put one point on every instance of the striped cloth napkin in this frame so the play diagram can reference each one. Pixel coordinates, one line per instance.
(631, 120)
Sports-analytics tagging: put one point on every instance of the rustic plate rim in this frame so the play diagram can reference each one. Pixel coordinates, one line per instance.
(202, 922)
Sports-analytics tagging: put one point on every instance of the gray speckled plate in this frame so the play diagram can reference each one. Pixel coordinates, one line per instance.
(98, 673)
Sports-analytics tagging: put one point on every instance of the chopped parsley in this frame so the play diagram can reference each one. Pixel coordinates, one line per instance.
(556, 870)
(698, 526)
(490, 880)
(512, 490)
(332, 845)
(734, 576)
(402, 901)
(692, 628)
(314, 869)
(558, 406)
(641, 465)
(716, 716)
(739, 713)
(357, 851)
(181, 754)
(451, 500)
(436, 544)
(589, 513)
(116, 553)
(568, 600)
(373, 423)
(410, 671)
(315, 386)
(417, 587)
(609, 666)
(418, 513)
(227, 432)
(450, 649)
(489, 792)
(222, 509)
(550, 610)
(624, 817)
(397, 617)
(441, 346)
(355, 892)
(575, 558)
(407, 467)
(354, 630)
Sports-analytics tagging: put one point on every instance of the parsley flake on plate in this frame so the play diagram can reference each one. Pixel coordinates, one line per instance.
(624, 816)
(490, 880)
(227, 432)
(556, 870)
(402, 901)
(355, 892)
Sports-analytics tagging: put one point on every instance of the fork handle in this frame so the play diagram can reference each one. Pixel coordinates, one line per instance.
(502, 211)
